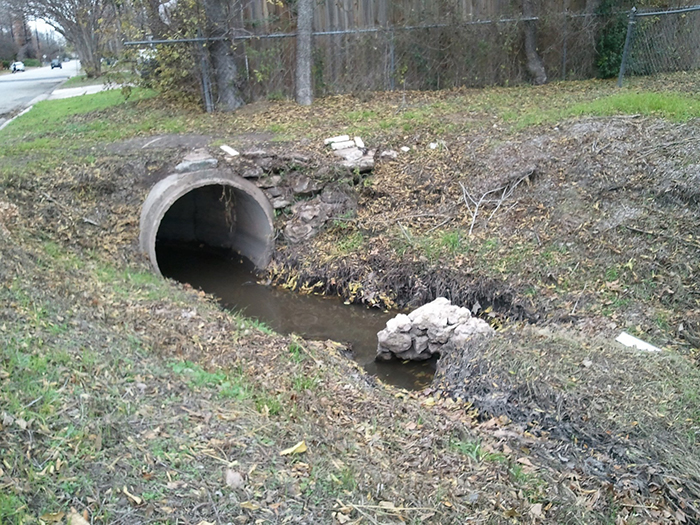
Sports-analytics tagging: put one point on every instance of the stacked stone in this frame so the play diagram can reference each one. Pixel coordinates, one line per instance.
(425, 331)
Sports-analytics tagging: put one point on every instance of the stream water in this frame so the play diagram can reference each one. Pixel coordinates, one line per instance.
(232, 280)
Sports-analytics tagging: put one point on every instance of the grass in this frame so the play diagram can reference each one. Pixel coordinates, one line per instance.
(58, 131)
(81, 81)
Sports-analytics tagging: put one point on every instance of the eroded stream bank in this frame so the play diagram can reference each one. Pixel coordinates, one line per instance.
(232, 279)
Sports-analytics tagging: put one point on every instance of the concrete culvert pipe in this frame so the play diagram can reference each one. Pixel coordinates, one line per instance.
(210, 207)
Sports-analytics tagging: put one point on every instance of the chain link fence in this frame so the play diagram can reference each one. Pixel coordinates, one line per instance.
(661, 42)
(431, 56)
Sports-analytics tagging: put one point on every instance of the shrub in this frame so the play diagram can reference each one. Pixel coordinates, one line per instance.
(611, 41)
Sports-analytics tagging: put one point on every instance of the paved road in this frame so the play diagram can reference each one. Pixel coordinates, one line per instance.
(17, 90)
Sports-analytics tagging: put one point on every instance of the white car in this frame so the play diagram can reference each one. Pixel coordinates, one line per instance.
(17, 66)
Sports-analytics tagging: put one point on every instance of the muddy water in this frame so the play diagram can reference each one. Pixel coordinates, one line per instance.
(313, 317)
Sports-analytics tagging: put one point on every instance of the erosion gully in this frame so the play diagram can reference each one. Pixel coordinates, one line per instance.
(232, 279)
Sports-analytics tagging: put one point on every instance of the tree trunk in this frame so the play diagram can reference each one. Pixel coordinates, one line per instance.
(228, 94)
(534, 63)
(305, 15)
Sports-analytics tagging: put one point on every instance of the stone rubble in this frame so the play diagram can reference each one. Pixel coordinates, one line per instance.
(309, 201)
(199, 159)
(356, 157)
(424, 332)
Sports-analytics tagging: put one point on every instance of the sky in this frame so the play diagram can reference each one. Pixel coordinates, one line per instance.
(42, 27)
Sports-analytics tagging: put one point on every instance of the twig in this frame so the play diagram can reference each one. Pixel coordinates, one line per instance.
(390, 509)
(573, 310)
(664, 235)
(412, 216)
(476, 208)
(405, 233)
(33, 402)
(211, 501)
(370, 518)
(441, 224)
(508, 190)
(296, 340)
(465, 194)
(500, 201)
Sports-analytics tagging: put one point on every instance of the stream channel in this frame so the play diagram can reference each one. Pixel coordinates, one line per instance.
(232, 279)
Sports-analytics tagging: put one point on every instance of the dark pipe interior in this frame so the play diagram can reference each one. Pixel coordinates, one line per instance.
(217, 216)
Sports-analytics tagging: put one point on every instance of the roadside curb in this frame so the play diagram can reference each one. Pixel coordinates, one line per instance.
(39, 98)
(25, 110)
(44, 96)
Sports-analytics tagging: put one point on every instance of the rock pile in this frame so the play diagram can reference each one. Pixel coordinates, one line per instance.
(425, 331)
(356, 157)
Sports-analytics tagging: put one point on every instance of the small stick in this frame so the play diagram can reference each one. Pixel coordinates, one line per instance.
(406, 234)
(573, 311)
(441, 224)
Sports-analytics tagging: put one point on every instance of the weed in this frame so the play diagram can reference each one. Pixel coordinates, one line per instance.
(268, 405)
(304, 382)
(11, 509)
(474, 450)
(297, 352)
(350, 243)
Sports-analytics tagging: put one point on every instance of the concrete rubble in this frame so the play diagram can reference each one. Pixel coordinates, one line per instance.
(424, 332)
(355, 156)
(199, 159)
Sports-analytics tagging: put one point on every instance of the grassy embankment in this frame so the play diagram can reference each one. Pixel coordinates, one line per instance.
(129, 398)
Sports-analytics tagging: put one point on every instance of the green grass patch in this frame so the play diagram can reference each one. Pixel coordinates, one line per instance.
(673, 106)
(228, 384)
(82, 80)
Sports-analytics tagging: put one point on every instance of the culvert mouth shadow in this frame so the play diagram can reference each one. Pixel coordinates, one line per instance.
(213, 208)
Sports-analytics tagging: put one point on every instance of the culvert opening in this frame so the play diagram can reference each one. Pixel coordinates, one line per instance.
(215, 218)
(209, 209)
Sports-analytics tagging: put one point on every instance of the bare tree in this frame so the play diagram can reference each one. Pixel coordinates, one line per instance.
(84, 23)
(534, 62)
(220, 16)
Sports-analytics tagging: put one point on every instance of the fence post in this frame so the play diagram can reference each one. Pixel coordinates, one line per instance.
(392, 60)
(628, 43)
(565, 43)
(305, 17)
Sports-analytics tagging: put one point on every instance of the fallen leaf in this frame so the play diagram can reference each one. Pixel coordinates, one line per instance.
(526, 462)
(536, 510)
(387, 505)
(203, 522)
(52, 517)
(133, 498)
(233, 479)
(250, 505)
(74, 518)
(296, 449)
